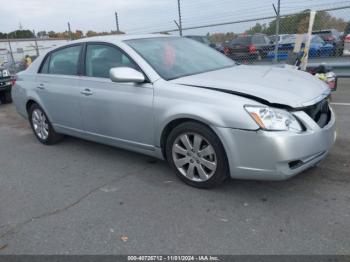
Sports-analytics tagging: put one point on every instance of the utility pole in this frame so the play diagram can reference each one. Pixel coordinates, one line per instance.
(308, 41)
(69, 32)
(36, 44)
(13, 59)
(277, 11)
(117, 21)
(180, 18)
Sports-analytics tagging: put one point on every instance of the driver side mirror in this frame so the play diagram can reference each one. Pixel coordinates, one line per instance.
(125, 75)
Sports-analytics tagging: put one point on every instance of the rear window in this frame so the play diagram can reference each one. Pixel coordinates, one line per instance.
(258, 40)
(242, 40)
(322, 33)
(317, 40)
(63, 61)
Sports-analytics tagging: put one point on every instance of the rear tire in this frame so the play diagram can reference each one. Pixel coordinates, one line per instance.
(200, 161)
(42, 127)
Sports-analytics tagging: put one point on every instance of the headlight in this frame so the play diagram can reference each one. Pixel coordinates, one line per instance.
(273, 119)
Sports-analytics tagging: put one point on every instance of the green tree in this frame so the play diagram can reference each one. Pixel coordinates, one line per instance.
(41, 34)
(91, 33)
(52, 34)
(78, 34)
(21, 34)
(299, 23)
(257, 28)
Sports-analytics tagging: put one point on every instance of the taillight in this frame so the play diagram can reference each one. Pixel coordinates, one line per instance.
(252, 49)
(13, 81)
(226, 50)
(329, 38)
(347, 38)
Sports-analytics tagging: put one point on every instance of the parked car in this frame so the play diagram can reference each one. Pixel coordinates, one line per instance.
(220, 47)
(326, 74)
(280, 38)
(332, 36)
(346, 40)
(318, 47)
(347, 45)
(200, 38)
(5, 86)
(248, 47)
(203, 40)
(347, 30)
(175, 99)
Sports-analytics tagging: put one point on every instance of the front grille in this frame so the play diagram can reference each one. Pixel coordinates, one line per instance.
(319, 112)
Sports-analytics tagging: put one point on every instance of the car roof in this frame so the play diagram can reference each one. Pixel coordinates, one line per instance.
(118, 38)
(324, 31)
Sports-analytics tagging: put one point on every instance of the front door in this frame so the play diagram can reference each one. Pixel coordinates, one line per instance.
(116, 113)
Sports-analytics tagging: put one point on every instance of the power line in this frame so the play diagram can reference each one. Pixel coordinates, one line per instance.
(247, 20)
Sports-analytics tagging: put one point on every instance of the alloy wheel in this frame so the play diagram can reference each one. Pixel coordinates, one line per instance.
(194, 157)
(40, 124)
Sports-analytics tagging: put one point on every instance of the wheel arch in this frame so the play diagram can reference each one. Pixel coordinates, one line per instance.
(31, 101)
(176, 122)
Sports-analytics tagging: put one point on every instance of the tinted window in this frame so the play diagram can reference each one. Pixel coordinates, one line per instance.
(322, 32)
(45, 66)
(65, 61)
(174, 57)
(317, 40)
(258, 40)
(245, 40)
(289, 40)
(101, 58)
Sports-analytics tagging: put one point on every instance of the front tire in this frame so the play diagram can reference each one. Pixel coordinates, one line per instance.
(197, 155)
(42, 127)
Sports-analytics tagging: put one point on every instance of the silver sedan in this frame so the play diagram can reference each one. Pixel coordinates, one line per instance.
(175, 99)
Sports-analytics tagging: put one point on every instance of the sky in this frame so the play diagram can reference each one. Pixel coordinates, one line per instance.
(146, 16)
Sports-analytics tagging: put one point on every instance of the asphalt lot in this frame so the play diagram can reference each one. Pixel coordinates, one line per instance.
(79, 197)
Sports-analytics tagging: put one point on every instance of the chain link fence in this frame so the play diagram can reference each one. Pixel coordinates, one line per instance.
(258, 42)
(250, 41)
(13, 52)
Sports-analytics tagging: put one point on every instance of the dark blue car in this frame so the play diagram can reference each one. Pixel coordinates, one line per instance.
(318, 47)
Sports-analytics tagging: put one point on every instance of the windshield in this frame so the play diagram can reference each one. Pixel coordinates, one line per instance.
(175, 57)
(201, 39)
(289, 40)
(317, 40)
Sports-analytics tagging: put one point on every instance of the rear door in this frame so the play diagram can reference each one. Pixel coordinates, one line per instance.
(58, 87)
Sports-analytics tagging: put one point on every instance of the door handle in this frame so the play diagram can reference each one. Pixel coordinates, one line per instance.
(87, 92)
(41, 86)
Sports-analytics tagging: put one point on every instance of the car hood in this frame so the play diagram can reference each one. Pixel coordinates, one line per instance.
(274, 85)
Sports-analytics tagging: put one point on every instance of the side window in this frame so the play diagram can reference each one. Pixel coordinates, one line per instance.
(101, 58)
(45, 66)
(65, 61)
